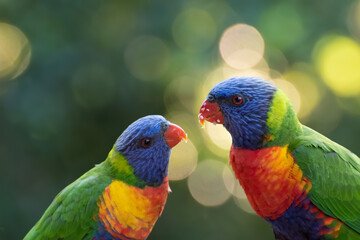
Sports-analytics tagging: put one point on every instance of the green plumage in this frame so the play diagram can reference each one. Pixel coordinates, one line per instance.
(71, 214)
(334, 172)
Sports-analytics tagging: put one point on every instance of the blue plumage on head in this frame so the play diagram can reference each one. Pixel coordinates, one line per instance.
(144, 146)
(246, 122)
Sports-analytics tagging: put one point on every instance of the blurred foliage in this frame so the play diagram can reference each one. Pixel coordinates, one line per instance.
(75, 74)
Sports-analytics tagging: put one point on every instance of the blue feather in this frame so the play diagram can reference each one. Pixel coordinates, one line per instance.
(150, 164)
(247, 123)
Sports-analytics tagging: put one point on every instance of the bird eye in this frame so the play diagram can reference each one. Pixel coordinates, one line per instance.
(146, 142)
(210, 98)
(165, 126)
(237, 100)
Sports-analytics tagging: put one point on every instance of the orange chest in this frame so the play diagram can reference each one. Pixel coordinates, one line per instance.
(129, 211)
(270, 177)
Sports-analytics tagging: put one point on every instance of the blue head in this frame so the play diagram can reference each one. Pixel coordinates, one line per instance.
(242, 105)
(146, 144)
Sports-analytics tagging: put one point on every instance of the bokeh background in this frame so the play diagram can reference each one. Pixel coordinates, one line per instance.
(74, 74)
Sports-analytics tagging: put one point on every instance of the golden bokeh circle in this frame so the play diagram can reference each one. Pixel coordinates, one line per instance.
(337, 60)
(241, 46)
(183, 160)
(15, 52)
(206, 184)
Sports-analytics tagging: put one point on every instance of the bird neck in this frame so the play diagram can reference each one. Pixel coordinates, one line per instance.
(282, 123)
(121, 170)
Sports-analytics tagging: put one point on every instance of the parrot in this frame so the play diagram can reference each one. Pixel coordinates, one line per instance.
(302, 183)
(120, 198)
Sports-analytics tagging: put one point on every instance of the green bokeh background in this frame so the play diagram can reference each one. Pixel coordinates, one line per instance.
(83, 87)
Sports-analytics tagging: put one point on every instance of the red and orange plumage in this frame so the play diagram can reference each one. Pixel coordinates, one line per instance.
(273, 183)
(271, 180)
(129, 212)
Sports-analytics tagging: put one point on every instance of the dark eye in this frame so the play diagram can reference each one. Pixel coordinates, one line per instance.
(237, 100)
(165, 126)
(210, 98)
(146, 142)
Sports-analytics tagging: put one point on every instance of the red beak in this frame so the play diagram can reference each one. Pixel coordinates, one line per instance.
(174, 134)
(210, 112)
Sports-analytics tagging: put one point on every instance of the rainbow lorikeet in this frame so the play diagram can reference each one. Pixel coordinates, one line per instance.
(305, 185)
(122, 197)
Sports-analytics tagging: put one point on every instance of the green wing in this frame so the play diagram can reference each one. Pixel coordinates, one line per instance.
(334, 173)
(71, 214)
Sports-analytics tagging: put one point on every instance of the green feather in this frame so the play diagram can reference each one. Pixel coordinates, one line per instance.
(282, 122)
(334, 172)
(71, 214)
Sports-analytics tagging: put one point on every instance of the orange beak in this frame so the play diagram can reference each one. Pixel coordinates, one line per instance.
(210, 112)
(174, 134)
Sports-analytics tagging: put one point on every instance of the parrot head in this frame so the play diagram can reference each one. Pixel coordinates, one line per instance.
(251, 109)
(146, 144)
